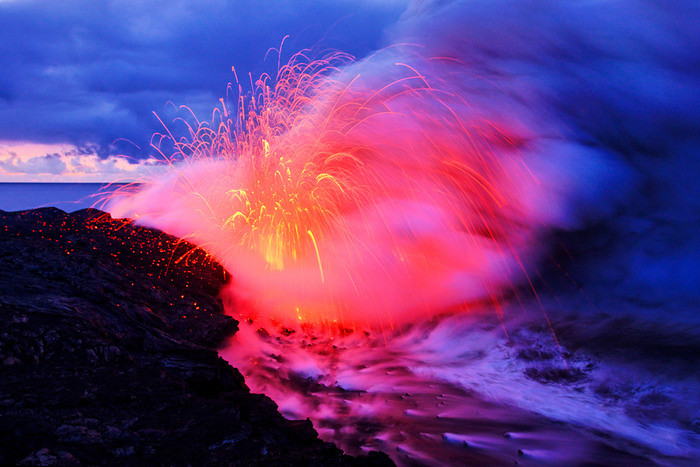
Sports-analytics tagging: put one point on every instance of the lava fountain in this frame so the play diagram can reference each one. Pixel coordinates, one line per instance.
(338, 196)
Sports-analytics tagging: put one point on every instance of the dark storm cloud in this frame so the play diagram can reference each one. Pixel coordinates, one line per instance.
(93, 72)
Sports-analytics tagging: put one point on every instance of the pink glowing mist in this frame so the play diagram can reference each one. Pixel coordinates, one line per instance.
(363, 193)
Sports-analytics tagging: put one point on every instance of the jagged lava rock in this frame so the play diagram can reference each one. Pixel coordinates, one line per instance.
(107, 352)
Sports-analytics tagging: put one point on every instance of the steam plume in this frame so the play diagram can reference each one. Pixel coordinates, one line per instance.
(431, 173)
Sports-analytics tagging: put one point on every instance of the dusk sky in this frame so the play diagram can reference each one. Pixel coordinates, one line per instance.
(81, 79)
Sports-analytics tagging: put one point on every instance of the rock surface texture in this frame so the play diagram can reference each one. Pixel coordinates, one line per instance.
(107, 354)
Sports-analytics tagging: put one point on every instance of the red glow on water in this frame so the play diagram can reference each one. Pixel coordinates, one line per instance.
(337, 197)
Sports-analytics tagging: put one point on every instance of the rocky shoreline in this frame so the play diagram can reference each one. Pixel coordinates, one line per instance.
(107, 351)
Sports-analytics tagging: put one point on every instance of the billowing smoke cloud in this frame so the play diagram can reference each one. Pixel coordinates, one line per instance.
(616, 83)
(433, 173)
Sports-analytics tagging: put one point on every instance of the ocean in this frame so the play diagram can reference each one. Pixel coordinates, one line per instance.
(66, 196)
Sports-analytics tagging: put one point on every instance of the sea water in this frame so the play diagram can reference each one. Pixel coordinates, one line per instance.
(66, 196)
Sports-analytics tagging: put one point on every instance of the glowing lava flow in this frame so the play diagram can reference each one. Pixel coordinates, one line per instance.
(335, 195)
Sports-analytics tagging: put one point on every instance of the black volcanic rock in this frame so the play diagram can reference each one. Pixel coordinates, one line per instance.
(107, 338)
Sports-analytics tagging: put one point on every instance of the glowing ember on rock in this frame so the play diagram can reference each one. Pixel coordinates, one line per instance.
(338, 196)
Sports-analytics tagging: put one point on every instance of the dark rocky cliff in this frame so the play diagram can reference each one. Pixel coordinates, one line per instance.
(107, 354)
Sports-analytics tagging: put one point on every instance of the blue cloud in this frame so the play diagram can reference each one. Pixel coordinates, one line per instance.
(93, 72)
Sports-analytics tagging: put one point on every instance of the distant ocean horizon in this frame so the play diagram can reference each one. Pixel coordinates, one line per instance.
(68, 197)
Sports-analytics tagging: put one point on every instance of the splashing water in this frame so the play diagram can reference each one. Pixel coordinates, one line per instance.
(383, 197)
(456, 391)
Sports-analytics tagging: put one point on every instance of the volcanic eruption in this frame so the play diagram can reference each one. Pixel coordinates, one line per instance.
(433, 177)
(336, 194)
